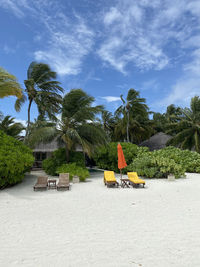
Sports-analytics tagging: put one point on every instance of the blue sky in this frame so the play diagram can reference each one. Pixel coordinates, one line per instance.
(106, 47)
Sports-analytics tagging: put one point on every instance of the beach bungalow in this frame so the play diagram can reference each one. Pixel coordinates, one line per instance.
(44, 150)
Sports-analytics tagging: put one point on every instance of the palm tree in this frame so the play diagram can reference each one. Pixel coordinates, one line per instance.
(108, 122)
(132, 106)
(9, 85)
(41, 89)
(188, 127)
(78, 124)
(10, 127)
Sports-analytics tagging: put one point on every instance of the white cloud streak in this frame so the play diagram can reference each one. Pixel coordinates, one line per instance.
(138, 33)
(67, 40)
(110, 99)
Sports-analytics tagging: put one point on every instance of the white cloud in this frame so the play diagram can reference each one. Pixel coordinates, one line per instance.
(23, 122)
(140, 33)
(111, 98)
(67, 40)
(15, 7)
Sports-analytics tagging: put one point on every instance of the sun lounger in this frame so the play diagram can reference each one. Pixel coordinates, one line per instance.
(63, 183)
(41, 183)
(109, 179)
(134, 180)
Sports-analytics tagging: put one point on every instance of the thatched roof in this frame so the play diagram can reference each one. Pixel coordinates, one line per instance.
(52, 146)
(157, 141)
(48, 147)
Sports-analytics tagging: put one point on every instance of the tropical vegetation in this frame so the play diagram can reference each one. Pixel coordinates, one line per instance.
(16, 159)
(186, 129)
(43, 89)
(156, 164)
(9, 85)
(73, 120)
(74, 170)
(10, 127)
(78, 125)
(58, 158)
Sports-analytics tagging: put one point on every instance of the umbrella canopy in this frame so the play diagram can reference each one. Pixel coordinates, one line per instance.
(121, 160)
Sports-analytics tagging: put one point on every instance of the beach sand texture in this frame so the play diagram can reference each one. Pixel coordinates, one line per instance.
(92, 225)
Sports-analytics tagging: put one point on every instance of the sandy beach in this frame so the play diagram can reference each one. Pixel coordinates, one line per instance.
(92, 225)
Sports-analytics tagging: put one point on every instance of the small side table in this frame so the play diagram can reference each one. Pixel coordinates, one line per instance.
(124, 182)
(52, 184)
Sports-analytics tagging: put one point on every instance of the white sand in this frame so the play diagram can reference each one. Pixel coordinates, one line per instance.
(92, 225)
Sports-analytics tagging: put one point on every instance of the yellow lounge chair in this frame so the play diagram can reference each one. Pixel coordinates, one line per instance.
(134, 180)
(109, 179)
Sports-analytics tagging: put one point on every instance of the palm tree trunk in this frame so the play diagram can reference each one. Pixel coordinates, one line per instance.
(29, 118)
(127, 127)
(67, 153)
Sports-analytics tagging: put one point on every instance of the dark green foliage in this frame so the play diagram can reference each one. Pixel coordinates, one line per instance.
(10, 127)
(15, 160)
(187, 128)
(106, 156)
(74, 169)
(59, 158)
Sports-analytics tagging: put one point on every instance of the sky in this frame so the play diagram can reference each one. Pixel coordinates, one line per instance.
(105, 47)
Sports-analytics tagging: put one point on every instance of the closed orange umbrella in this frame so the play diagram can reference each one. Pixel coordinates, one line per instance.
(121, 159)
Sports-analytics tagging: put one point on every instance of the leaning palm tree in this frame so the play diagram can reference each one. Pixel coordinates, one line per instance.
(42, 89)
(187, 128)
(9, 85)
(130, 107)
(10, 127)
(78, 125)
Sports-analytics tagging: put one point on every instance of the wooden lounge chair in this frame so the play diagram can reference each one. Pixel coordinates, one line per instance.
(41, 183)
(63, 183)
(109, 179)
(134, 180)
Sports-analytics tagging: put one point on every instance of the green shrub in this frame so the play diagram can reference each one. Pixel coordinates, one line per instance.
(149, 164)
(189, 159)
(106, 156)
(73, 169)
(58, 158)
(15, 160)
(155, 166)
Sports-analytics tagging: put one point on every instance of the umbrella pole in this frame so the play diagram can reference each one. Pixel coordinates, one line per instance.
(121, 176)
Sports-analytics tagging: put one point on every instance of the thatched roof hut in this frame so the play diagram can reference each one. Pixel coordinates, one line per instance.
(157, 141)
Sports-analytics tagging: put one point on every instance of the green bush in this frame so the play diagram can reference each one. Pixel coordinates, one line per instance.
(15, 160)
(106, 156)
(58, 158)
(152, 165)
(156, 164)
(73, 169)
(188, 159)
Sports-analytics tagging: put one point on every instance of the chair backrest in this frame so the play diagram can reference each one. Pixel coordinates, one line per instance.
(42, 180)
(109, 175)
(132, 175)
(64, 177)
